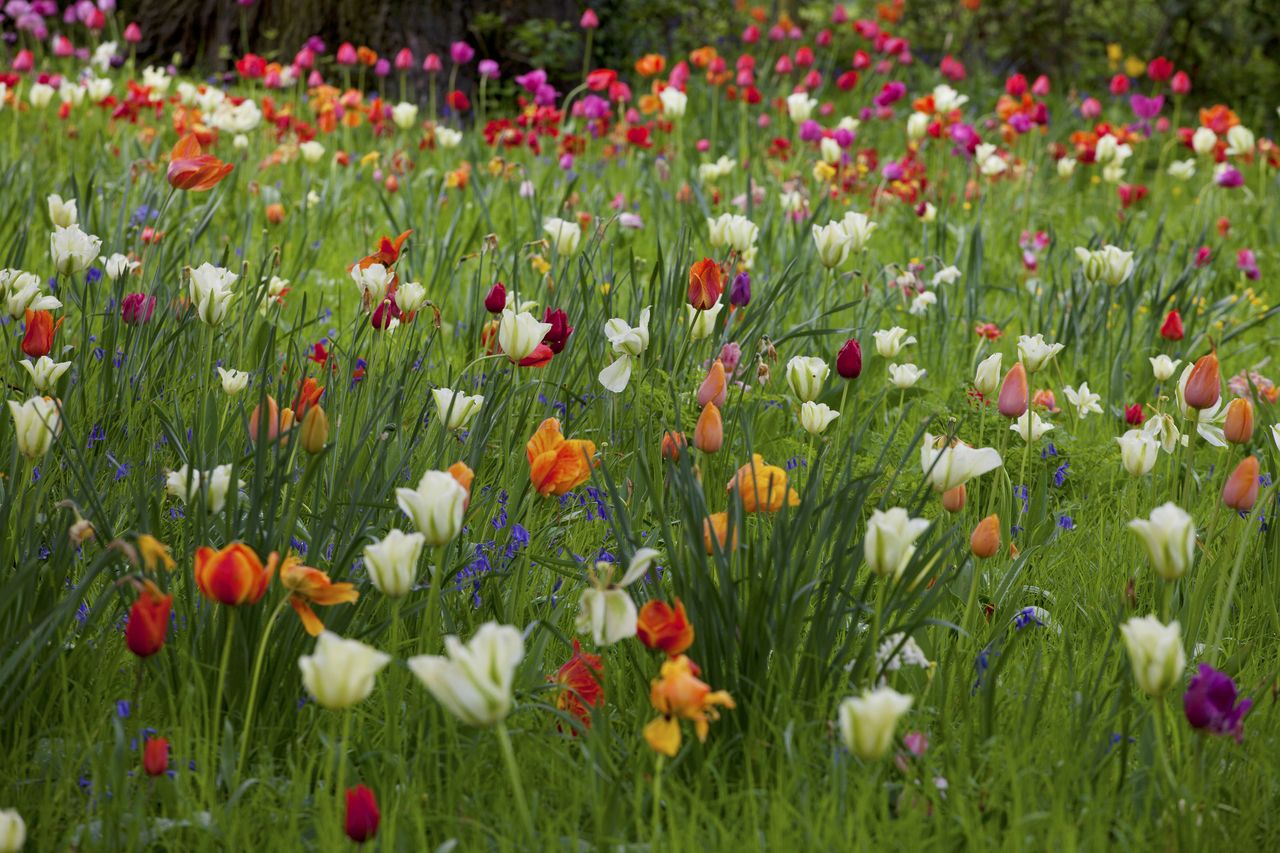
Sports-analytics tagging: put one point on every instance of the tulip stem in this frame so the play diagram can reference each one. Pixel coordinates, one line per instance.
(216, 736)
(513, 772)
(253, 685)
(657, 798)
(340, 751)
(1223, 605)
(431, 636)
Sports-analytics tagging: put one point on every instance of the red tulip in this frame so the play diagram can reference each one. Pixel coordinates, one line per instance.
(155, 756)
(1172, 329)
(362, 814)
(41, 327)
(849, 359)
(496, 299)
(148, 623)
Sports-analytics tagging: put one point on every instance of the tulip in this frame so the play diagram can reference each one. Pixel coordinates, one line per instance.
(673, 102)
(454, 409)
(315, 429)
(154, 553)
(1163, 367)
(372, 281)
(832, 243)
(556, 464)
(564, 235)
(951, 466)
(1138, 451)
(1204, 385)
(495, 301)
(849, 359)
(867, 723)
(740, 290)
(37, 422)
(155, 756)
(1034, 353)
(889, 342)
(558, 335)
(392, 562)
(816, 417)
(660, 626)
(210, 291)
(45, 372)
(62, 213)
(678, 694)
(672, 443)
(762, 487)
(1210, 704)
(191, 169)
(21, 293)
(474, 682)
(905, 376)
(340, 673)
(72, 249)
(1085, 401)
(436, 507)
(233, 575)
(404, 115)
(732, 231)
(520, 334)
(148, 623)
(1133, 415)
(606, 610)
(1014, 392)
(361, 823)
(1170, 538)
(187, 484)
(1171, 329)
(37, 341)
(953, 500)
(715, 532)
(805, 375)
(985, 540)
(888, 544)
(1108, 265)
(986, 378)
(13, 831)
(705, 285)
(1240, 492)
(714, 387)
(581, 681)
(702, 323)
(1238, 428)
(708, 435)
(627, 343)
(1155, 653)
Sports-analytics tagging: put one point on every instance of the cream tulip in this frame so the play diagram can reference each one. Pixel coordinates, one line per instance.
(1169, 535)
(392, 562)
(474, 682)
(1155, 653)
(340, 672)
(436, 507)
(867, 723)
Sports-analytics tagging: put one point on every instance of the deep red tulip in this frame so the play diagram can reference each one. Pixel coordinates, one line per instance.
(155, 756)
(1171, 329)
(496, 299)
(849, 359)
(362, 814)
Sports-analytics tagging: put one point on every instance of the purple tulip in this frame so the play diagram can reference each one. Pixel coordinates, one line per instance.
(488, 68)
(740, 290)
(1210, 703)
(1229, 177)
(1146, 108)
(810, 130)
(461, 53)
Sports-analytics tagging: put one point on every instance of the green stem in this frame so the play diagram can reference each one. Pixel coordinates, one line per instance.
(216, 735)
(253, 685)
(657, 799)
(340, 751)
(513, 774)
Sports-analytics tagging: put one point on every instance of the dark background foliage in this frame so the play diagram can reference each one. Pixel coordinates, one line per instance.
(1231, 48)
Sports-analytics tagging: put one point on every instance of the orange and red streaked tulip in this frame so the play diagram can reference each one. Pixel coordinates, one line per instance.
(309, 393)
(581, 683)
(661, 626)
(761, 487)
(714, 387)
(233, 575)
(1204, 384)
(148, 621)
(705, 284)
(985, 541)
(708, 435)
(1241, 489)
(308, 586)
(1238, 427)
(41, 328)
(678, 694)
(191, 169)
(155, 756)
(362, 817)
(715, 531)
(672, 444)
(953, 499)
(557, 464)
(1014, 393)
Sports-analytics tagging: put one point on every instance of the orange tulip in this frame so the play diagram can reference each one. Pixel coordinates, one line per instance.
(678, 694)
(191, 169)
(762, 488)
(985, 541)
(717, 525)
(659, 626)
(672, 443)
(708, 436)
(557, 464)
(315, 430)
(148, 621)
(259, 431)
(38, 339)
(1238, 427)
(233, 575)
(463, 474)
(953, 499)
(714, 387)
(275, 213)
(1241, 489)
(1204, 384)
(705, 284)
(308, 586)
(651, 64)
(1012, 402)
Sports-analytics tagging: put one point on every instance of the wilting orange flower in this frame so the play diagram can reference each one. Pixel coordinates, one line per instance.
(1240, 492)
(762, 488)
(41, 328)
(154, 553)
(579, 679)
(660, 626)
(557, 464)
(705, 284)
(717, 525)
(309, 392)
(678, 694)
(651, 64)
(308, 586)
(191, 169)
(148, 621)
(233, 575)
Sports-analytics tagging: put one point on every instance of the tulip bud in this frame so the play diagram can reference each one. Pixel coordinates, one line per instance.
(953, 499)
(362, 814)
(849, 359)
(708, 436)
(1172, 330)
(148, 623)
(715, 531)
(867, 722)
(340, 673)
(1155, 653)
(985, 541)
(259, 431)
(713, 388)
(1014, 392)
(496, 299)
(315, 429)
(1238, 427)
(1241, 489)
(1203, 387)
(155, 756)
(672, 444)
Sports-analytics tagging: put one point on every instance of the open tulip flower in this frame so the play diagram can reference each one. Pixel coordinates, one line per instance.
(606, 610)
(557, 464)
(678, 694)
(309, 586)
(474, 681)
(193, 170)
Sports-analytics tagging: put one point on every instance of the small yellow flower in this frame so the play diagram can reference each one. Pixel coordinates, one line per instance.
(371, 157)
(154, 553)
(1133, 66)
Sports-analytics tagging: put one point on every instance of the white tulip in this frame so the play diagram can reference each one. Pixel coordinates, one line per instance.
(520, 334)
(987, 377)
(1066, 167)
(889, 541)
(13, 831)
(1155, 653)
(948, 467)
(816, 417)
(829, 150)
(474, 682)
(45, 372)
(917, 125)
(564, 235)
(1275, 435)
(889, 342)
(1138, 451)
(447, 137)
(1163, 428)
(1163, 367)
(186, 484)
(392, 562)
(118, 265)
(36, 424)
(21, 293)
(905, 376)
(1085, 401)
(157, 80)
(62, 213)
(98, 89)
(702, 323)
(373, 282)
(211, 293)
(1183, 170)
(72, 249)
(1108, 265)
(859, 228)
(436, 506)
(867, 722)
(1203, 141)
(606, 611)
(311, 151)
(732, 231)
(673, 101)
(1170, 537)
(1240, 140)
(1035, 353)
(410, 296)
(800, 106)
(1030, 426)
(40, 95)
(832, 243)
(455, 409)
(405, 115)
(340, 673)
(233, 381)
(805, 375)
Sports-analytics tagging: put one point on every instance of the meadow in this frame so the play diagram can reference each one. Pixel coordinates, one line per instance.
(796, 444)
